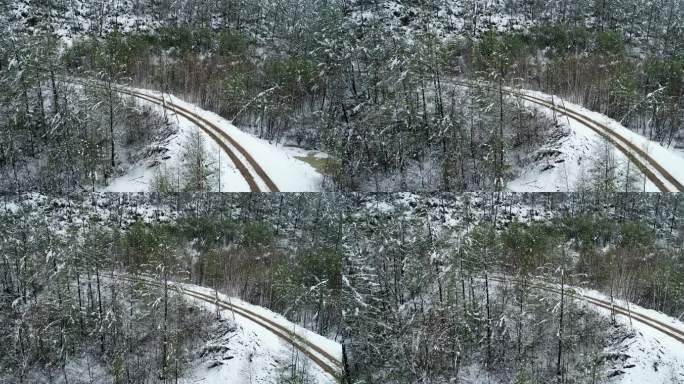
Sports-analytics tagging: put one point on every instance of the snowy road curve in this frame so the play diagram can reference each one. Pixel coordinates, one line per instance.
(661, 173)
(657, 351)
(320, 355)
(629, 311)
(222, 139)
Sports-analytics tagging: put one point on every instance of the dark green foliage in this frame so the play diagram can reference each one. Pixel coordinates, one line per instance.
(497, 52)
(231, 43)
(179, 38)
(127, 51)
(529, 245)
(635, 234)
(561, 38)
(609, 43)
(622, 88)
(235, 89)
(113, 53)
(566, 39)
(81, 53)
(668, 73)
(589, 232)
(256, 235)
(296, 76)
(523, 377)
(209, 230)
(321, 265)
(146, 245)
(316, 275)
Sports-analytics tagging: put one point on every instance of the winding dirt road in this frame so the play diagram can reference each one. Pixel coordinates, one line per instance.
(222, 139)
(653, 170)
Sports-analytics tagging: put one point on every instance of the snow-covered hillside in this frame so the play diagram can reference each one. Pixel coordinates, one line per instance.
(433, 264)
(69, 21)
(258, 355)
(447, 20)
(563, 164)
(364, 82)
(67, 249)
(647, 355)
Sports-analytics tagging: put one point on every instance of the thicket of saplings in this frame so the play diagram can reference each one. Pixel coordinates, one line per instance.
(388, 124)
(55, 139)
(444, 315)
(70, 320)
(71, 308)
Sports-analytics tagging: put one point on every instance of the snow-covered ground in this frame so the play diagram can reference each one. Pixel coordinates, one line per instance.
(64, 214)
(447, 20)
(564, 164)
(288, 173)
(258, 355)
(79, 18)
(575, 154)
(652, 356)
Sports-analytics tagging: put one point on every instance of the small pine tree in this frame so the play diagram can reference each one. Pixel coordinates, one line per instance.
(604, 171)
(198, 170)
(162, 182)
(629, 178)
(522, 377)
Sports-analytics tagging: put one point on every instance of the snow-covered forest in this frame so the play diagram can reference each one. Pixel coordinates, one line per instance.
(341, 191)
(75, 307)
(383, 95)
(354, 288)
(481, 288)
